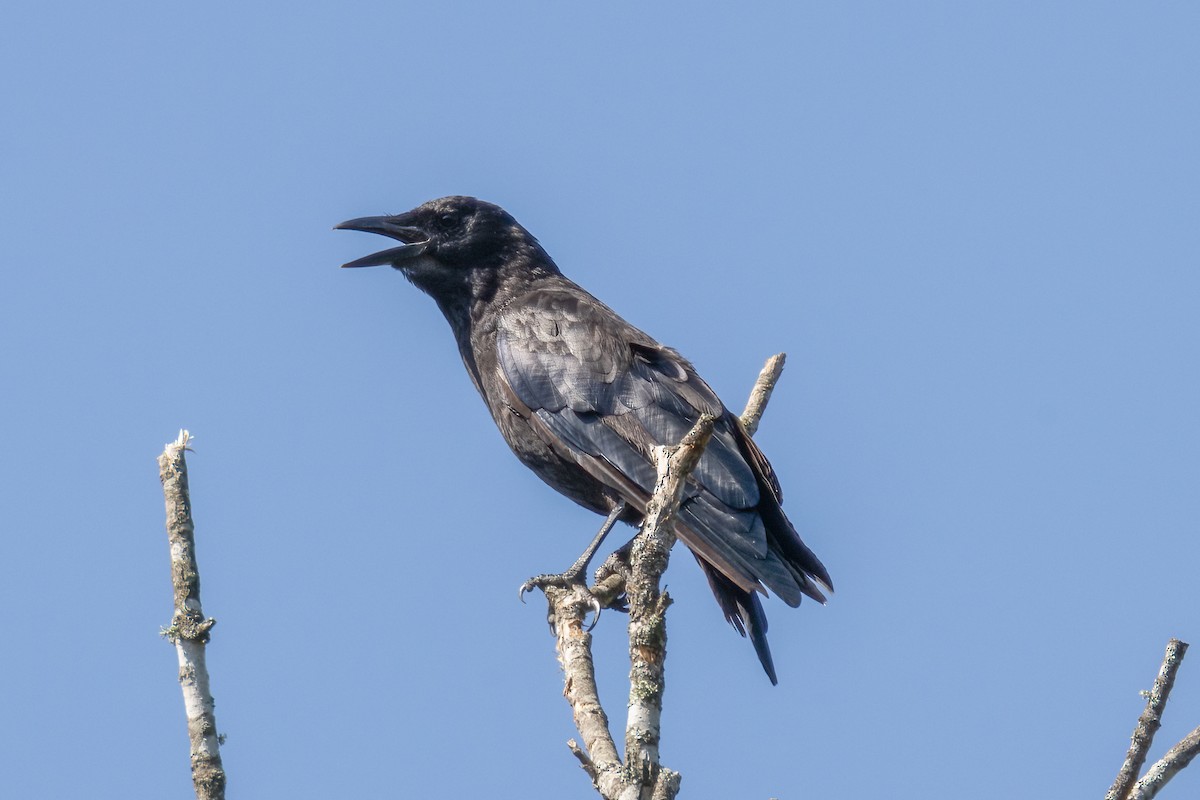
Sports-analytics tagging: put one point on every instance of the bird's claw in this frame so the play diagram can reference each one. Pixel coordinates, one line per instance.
(543, 581)
(595, 606)
(563, 581)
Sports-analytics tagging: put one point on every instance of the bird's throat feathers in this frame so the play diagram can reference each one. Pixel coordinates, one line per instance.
(463, 291)
(481, 280)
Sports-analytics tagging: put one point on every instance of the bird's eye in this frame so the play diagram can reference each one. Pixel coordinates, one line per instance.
(447, 220)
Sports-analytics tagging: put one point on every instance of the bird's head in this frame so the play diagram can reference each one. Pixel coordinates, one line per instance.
(448, 240)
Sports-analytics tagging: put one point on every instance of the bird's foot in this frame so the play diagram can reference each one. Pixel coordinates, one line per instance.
(610, 580)
(564, 580)
(571, 580)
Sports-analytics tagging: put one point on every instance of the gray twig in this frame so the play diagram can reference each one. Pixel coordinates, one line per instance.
(1148, 724)
(761, 393)
(189, 630)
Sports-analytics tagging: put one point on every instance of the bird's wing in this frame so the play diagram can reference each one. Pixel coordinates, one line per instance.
(603, 394)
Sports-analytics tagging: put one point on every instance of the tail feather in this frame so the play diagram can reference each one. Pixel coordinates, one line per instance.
(744, 612)
(782, 537)
(802, 562)
(786, 559)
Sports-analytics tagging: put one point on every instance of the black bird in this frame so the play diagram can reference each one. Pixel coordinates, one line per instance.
(582, 397)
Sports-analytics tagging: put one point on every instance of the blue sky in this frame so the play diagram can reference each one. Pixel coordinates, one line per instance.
(972, 227)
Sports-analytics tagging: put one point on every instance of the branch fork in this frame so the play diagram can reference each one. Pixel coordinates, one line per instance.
(1127, 786)
(640, 775)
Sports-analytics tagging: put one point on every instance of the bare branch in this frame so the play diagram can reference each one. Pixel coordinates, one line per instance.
(761, 393)
(1148, 723)
(585, 763)
(648, 604)
(1166, 767)
(189, 630)
(647, 635)
(568, 607)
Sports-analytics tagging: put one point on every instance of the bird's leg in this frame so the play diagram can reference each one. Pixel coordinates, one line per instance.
(574, 573)
(581, 564)
(616, 565)
(574, 576)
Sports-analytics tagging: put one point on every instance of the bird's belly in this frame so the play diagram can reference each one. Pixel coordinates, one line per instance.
(558, 472)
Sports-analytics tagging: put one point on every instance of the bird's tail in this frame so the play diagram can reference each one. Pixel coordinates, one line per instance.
(744, 612)
(807, 570)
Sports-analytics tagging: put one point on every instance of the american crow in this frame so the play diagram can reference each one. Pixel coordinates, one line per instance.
(582, 397)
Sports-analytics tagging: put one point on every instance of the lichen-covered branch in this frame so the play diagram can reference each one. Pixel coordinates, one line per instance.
(648, 560)
(1167, 767)
(1148, 724)
(189, 629)
(641, 772)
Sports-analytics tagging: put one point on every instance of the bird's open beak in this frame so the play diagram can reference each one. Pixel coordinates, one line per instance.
(416, 241)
